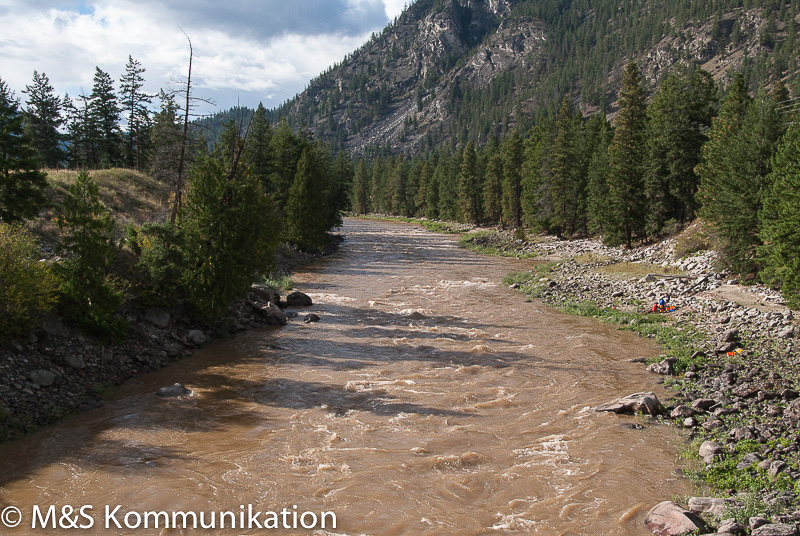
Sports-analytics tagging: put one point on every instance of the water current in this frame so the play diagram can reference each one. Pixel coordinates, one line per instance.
(429, 400)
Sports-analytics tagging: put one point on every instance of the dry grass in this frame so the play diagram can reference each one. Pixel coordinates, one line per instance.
(693, 239)
(591, 258)
(635, 270)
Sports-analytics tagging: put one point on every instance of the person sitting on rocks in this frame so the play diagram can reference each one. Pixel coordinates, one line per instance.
(662, 304)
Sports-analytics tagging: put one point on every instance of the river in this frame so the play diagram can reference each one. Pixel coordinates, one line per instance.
(429, 400)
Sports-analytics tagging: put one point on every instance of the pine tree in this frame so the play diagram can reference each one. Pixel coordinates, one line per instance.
(493, 190)
(285, 148)
(43, 117)
(780, 220)
(306, 202)
(565, 179)
(597, 180)
(448, 187)
(626, 158)
(104, 111)
(361, 189)
(165, 139)
(512, 172)
(134, 102)
(432, 192)
(22, 185)
(469, 186)
(257, 153)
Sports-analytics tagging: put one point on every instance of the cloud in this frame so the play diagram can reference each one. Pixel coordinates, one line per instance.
(255, 50)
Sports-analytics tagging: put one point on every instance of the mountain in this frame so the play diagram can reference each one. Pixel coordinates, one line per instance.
(449, 71)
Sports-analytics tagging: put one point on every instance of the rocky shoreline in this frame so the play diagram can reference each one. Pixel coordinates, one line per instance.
(730, 358)
(57, 371)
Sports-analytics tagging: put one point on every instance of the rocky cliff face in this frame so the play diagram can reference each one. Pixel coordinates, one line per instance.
(404, 88)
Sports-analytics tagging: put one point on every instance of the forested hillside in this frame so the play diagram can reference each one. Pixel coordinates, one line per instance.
(471, 70)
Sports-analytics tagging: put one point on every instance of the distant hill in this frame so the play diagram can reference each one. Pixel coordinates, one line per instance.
(448, 71)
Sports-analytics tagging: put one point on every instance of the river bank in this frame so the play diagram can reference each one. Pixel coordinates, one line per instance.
(57, 370)
(729, 355)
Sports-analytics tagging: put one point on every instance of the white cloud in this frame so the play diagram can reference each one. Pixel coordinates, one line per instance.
(394, 7)
(68, 44)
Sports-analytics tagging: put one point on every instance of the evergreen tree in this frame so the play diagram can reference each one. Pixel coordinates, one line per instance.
(780, 220)
(597, 180)
(493, 190)
(82, 133)
(165, 139)
(306, 201)
(22, 185)
(43, 117)
(432, 192)
(424, 182)
(340, 184)
(285, 148)
(134, 102)
(512, 172)
(679, 118)
(448, 187)
(626, 158)
(537, 202)
(469, 185)
(565, 179)
(104, 111)
(257, 153)
(361, 189)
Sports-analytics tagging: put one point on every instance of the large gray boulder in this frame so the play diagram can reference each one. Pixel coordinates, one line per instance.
(646, 403)
(670, 519)
(714, 505)
(776, 529)
(265, 292)
(196, 336)
(273, 315)
(42, 378)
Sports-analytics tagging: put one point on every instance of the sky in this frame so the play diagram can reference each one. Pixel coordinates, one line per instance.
(245, 51)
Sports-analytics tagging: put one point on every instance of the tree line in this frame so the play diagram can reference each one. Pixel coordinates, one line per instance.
(686, 153)
(258, 186)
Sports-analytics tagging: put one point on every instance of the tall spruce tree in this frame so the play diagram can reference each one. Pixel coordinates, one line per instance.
(493, 190)
(627, 204)
(565, 179)
(361, 188)
(512, 173)
(43, 118)
(22, 185)
(597, 180)
(104, 111)
(134, 103)
(307, 200)
(469, 192)
(165, 139)
(257, 153)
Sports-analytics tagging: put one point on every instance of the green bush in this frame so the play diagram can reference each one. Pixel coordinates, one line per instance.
(90, 296)
(27, 286)
(161, 262)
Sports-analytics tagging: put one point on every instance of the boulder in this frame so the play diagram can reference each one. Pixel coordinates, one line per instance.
(793, 410)
(786, 333)
(174, 390)
(748, 460)
(682, 412)
(710, 448)
(646, 403)
(665, 367)
(42, 378)
(699, 505)
(265, 292)
(775, 529)
(311, 317)
(298, 298)
(158, 317)
(731, 526)
(670, 519)
(731, 335)
(74, 361)
(273, 314)
(196, 336)
(704, 404)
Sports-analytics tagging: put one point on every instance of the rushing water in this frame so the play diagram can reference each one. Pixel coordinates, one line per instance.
(474, 418)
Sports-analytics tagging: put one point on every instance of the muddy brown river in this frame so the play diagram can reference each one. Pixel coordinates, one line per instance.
(429, 400)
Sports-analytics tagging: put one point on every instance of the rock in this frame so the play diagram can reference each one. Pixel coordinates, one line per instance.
(704, 404)
(415, 315)
(74, 361)
(775, 529)
(196, 336)
(793, 410)
(710, 448)
(670, 519)
(174, 390)
(756, 521)
(664, 368)
(699, 505)
(617, 294)
(265, 292)
(273, 314)
(731, 335)
(158, 317)
(42, 378)
(682, 412)
(786, 333)
(731, 526)
(311, 317)
(748, 460)
(646, 403)
(298, 298)
(689, 422)
(726, 347)
(777, 467)
(52, 325)
(789, 394)
(742, 433)
(15, 347)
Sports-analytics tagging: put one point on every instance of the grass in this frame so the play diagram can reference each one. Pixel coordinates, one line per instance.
(491, 243)
(436, 226)
(280, 281)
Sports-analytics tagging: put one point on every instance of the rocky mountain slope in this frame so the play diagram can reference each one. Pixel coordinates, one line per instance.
(450, 70)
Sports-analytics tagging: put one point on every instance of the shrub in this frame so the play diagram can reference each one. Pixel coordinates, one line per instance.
(161, 261)
(90, 296)
(27, 286)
